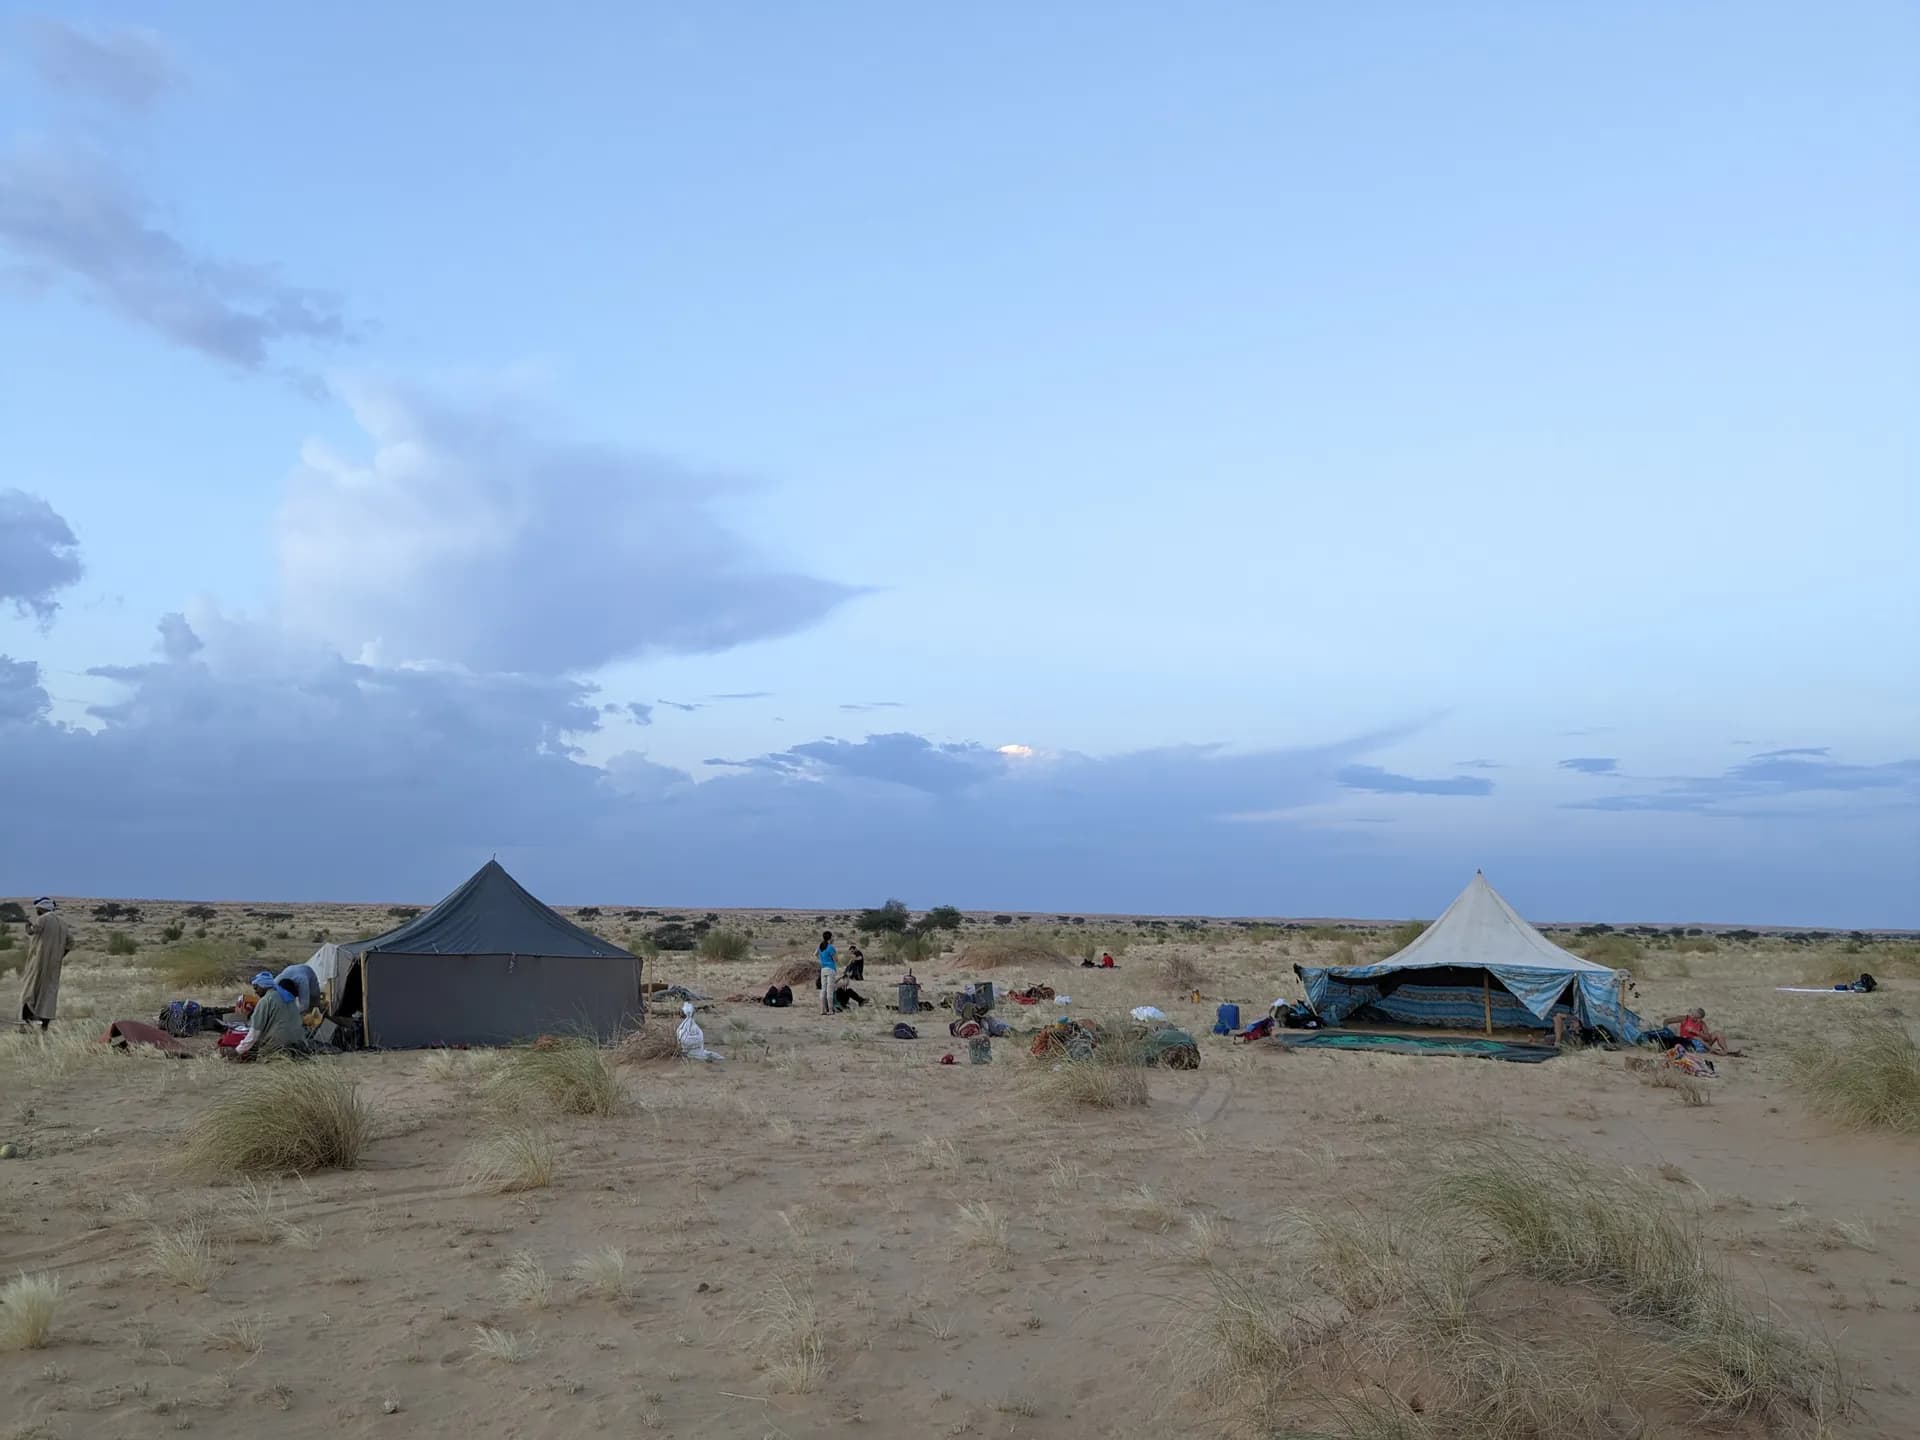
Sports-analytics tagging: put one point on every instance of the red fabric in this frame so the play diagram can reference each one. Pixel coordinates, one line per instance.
(138, 1032)
(231, 1040)
(1692, 1029)
(1024, 999)
(948, 1059)
(1106, 962)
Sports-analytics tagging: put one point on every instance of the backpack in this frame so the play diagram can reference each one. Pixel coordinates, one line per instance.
(904, 1031)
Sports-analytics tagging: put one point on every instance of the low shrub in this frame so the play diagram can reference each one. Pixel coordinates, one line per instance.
(725, 945)
(121, 943)
(27, 1305)
(283, 1117)
(572, 1075)
(201, 965)
(1866, 1077)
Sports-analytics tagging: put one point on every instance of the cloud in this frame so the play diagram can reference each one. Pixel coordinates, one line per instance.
(39, 555)
(1385, 782)
(467, 538)
(862, 706)
(1762, 781)
(21, 697)
(1477, 765)
(1592, 765)
(686, 707)
(742, 695)
(897, 759)
(65, 213)
(121, 65)
(639, 713)
(394, 783)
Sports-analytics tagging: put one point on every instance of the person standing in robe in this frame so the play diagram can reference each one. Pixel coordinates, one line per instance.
(48, 941)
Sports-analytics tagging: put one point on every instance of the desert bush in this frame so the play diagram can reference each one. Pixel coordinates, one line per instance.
(170, 934)
(200, 912)
(27, 1305)
(114, 910)
(281, 1117)
(121, 943)
(942, 917)
(1000, 951)
(725, 945)
(1696, 944)
(1866, 1077)
(890, 918)
(1181, 972)
(6, 940)
(203, 964)
(571, 1074)
(403, 913)
(915, 947)
(587, 912)
(673, 935)
(1615, 950)
(515, 1158)
(12, 912)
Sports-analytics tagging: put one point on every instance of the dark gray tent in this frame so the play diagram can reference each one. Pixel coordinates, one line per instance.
(488, 965)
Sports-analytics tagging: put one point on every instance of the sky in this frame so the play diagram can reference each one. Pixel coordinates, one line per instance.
(1238, 459)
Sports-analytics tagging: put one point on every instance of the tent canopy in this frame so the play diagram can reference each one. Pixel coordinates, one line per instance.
(1478, 962)
(489, 915)
(488, 965)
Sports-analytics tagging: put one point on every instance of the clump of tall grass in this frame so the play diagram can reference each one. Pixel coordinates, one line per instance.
(572, 1075)
(604, 1272)
(1092, 1083)
(204, 965)
(1866, 1078)
(791, 1337)
(655, 1040)
(1181, 973)
(725, 945)
(181, 1256)
(27, 1305)
(121, 943)
(505, 1346)
(517, 1157)
(282, 1117)
(525, 1282)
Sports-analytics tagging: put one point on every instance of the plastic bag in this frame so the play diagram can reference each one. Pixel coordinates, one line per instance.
(693, 1041)
(1148, 1012)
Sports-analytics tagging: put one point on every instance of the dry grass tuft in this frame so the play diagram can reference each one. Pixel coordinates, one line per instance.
(604, 1273)
(1690, 1089)
(803, 971)
(205, 965)
(1001, 952)
(1241, 1342)
(182, 1257)
(571, 1075)
(1867, 1079)
(517, 1157)
(460, 1066)
(653, 1041)
(525, 1282)
(791, 1338)
(505, 1346)
(27, 1305)
(283, 1117)
(979, 1225)
(1095, 1083)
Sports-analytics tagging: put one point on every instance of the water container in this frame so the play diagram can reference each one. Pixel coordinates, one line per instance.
(909, 998)
(1227, 1020)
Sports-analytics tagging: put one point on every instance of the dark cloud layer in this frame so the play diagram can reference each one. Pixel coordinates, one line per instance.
(469, 538)
(39, 555)
(1767, 779)
(66, 215)
(1591, 764)
(1385, 782)
(121, 65)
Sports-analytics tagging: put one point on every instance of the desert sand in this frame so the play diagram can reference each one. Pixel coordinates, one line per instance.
(833, 1234)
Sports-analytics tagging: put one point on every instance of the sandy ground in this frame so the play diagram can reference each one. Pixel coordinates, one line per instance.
(830, 1166)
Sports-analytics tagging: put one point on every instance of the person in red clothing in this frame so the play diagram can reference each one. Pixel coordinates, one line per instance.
(1693, 1029)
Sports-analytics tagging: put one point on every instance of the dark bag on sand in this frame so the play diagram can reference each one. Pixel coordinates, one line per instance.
(778, 996)
(904, 1031)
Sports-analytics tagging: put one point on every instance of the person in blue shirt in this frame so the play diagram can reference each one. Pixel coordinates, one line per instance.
(829, 971)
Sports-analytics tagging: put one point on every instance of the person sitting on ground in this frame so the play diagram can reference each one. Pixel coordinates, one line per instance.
(856, 963)
(1694, 1031)
(844, 995)
(275, 1027)
(261, 983)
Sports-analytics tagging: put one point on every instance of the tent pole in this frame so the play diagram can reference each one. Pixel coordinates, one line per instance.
(1486, 998)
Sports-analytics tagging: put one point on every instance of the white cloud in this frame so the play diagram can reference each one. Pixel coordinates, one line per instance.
(39, 555)
(465, 537)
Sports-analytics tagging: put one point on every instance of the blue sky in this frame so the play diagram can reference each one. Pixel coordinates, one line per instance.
(1305, 431)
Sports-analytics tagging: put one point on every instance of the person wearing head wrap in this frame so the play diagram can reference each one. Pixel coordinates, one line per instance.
(274, 1028)
(48, 941)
